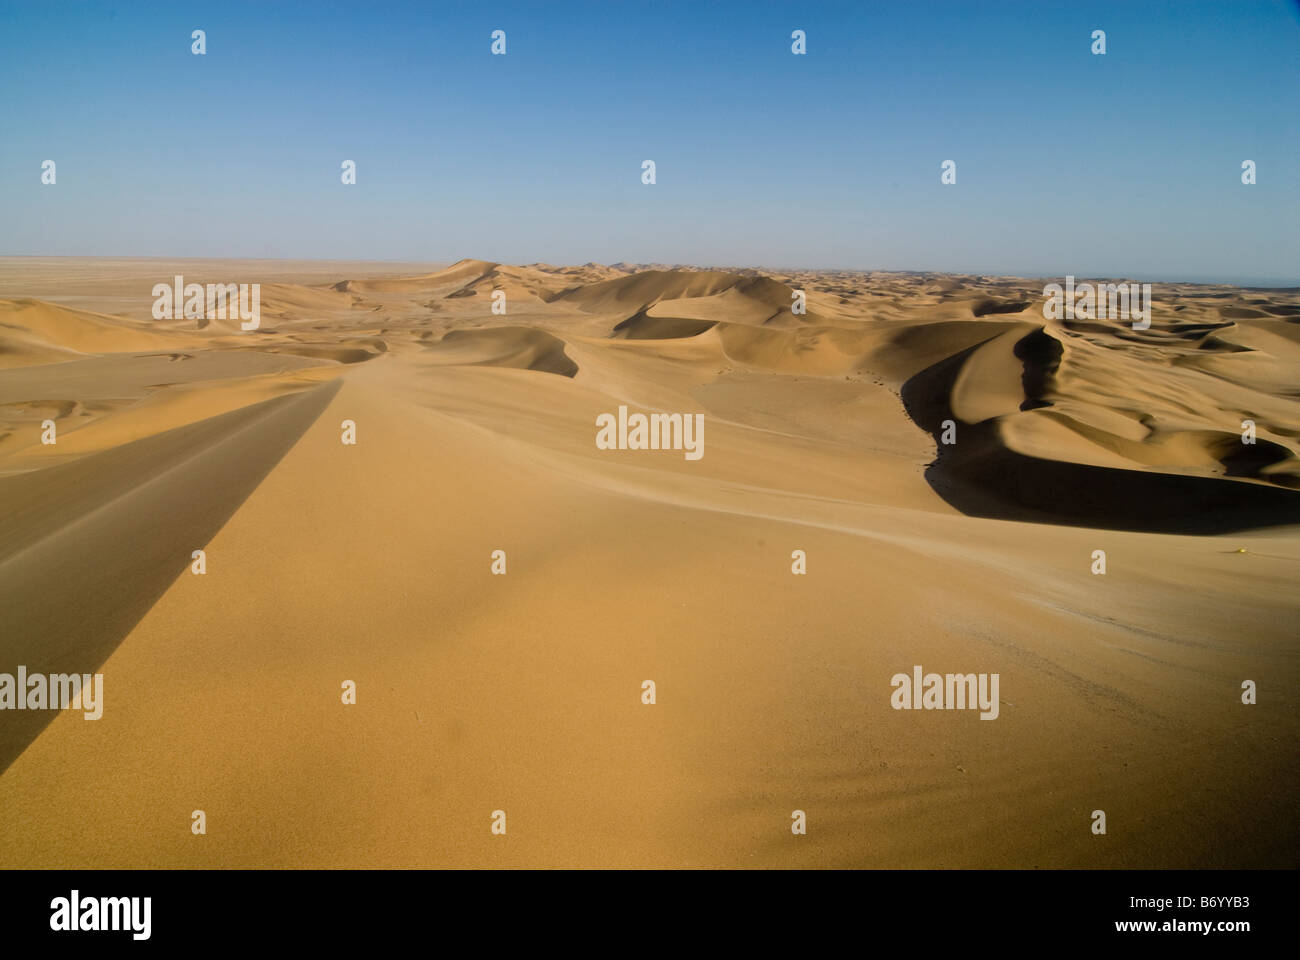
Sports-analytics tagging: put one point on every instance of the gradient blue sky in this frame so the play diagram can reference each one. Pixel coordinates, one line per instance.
(1120, 165)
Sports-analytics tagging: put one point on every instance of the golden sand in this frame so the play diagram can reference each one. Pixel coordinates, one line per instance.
(477, 692)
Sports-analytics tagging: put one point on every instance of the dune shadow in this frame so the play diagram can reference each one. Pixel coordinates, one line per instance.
(88, 547)
(980, 476)
(642, 326)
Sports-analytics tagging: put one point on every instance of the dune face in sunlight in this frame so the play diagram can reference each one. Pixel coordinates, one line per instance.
(910, 469)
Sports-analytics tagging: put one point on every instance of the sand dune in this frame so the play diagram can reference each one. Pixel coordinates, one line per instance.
(520, 347)
(61, 582)
(447, 281)
(64, 331)
(475, 432)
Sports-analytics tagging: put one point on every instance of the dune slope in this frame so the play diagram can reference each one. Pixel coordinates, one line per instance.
(373, 563)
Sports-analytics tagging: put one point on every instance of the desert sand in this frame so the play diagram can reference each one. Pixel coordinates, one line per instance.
(477, 692)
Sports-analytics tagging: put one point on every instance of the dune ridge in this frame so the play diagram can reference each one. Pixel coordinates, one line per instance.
(372, 562)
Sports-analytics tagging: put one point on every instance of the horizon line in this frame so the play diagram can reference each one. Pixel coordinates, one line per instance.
(1245, 283)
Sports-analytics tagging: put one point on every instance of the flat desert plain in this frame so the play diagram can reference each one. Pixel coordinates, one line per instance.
(372, 562)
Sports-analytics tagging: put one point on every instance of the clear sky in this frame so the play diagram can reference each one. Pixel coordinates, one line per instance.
(1127, 164)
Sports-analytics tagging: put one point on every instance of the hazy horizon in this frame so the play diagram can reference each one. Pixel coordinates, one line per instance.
(1245, 283)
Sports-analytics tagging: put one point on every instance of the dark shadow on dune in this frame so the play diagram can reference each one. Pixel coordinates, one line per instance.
(642, 326)
(1040, 353)
(1242, 460)
(981, 477)
(88, 547)
(990, 307)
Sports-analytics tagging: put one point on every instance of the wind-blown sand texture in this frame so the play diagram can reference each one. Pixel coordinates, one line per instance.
(521, 692)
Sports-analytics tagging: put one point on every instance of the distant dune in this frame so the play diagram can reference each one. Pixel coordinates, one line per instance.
(521, 347)
(475, 432)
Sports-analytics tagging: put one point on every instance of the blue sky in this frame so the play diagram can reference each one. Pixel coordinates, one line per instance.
(1126, 164)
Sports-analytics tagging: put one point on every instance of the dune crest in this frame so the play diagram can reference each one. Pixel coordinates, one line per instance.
(353, 468)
